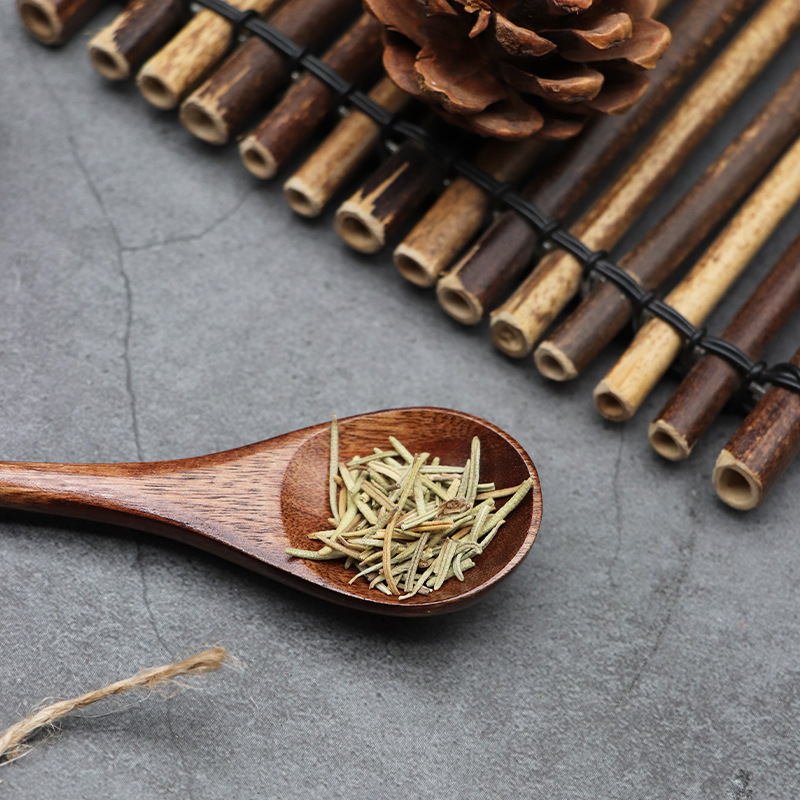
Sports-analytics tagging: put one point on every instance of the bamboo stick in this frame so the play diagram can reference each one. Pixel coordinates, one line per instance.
(483, 277)
(459, 212)
(761, 449)
(606, 310)
(289, 125)
(631, 379)
(712, 381)
(372, 214)
(254, 71)
(340, 155)
(523, 318)
(139, 31)
(53, 22)
(183, 62)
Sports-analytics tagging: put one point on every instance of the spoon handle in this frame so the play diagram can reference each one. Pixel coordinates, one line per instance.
(115, 493)
(227, 503)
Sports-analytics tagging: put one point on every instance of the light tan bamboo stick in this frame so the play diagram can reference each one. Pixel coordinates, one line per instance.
(54, 21)
(712, 381)
(657, 343)
(290, 124)
(459, 212)
(490, 270)
(340, 155)
(518, 324)
(761, 449)
(246, 80)
(136, 34)
(181, 64)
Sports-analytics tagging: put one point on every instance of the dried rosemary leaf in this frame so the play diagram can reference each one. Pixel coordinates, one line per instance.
(401, 521)
(333, 467)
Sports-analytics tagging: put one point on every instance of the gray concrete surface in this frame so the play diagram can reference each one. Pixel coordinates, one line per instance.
(156, 302)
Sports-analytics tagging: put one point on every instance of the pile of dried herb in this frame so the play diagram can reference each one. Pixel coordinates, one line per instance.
(406, 522)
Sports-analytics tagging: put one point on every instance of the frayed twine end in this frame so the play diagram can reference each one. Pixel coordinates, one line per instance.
(12, 740)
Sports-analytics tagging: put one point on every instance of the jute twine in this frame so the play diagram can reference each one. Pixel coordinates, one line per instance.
(11, 740)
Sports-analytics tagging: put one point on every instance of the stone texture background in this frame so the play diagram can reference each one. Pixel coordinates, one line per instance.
(158, 302)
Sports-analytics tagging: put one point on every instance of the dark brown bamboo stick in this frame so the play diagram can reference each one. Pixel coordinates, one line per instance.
(255, 70)
(519, 323)
(185, 60)
(761, 449)
(480, 280)
(606, 310)
(368, 219)
(711, 383)
(340, 155)
(459, 212)
(626, 385)
(289, 125)
(120, 48)
(53, 22)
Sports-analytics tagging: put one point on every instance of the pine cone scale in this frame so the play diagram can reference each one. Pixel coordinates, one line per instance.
(511, 68)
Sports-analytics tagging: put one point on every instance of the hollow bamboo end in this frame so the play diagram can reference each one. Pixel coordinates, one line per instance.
(156, 91)
(460, 304)
(257, 159)
(736, 484)
(554, 363)
(302, 198)
(508, 337)
(611, 404)
(204, 122)
(108, 62)
(410, 263)
(40, 20)
(667, 442)
(360, 230)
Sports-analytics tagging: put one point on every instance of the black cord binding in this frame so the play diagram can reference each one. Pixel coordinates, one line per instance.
(595, 263)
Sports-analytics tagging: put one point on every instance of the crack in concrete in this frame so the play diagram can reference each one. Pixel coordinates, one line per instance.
(121, 250)
(191, 237)
(126, 358)
(92, 186)
(615, 489)
(126, 282)
(146, 597)
(672, 598)
(156, 630)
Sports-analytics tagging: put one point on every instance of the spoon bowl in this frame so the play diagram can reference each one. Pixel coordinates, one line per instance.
(251, 503)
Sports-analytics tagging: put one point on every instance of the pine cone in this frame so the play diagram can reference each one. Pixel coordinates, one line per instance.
(513, 68)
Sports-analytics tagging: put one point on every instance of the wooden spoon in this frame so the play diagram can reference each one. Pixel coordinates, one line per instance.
(249, 504)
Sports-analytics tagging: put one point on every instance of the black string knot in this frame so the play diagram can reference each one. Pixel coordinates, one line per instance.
(755, 373)
(694, 340)
(593, 260)
(238, 20)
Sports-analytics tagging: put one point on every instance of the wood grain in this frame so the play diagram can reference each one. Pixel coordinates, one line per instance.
(760, 451)
(292, 122)
(460, 211)
(255, 70)
(187, 58)
(711, 383)
(53, 22)
(120, 48)
(606, 310)
(655, 346)
(249, 504)
(369, 218)
(486, 274)
(520, 322)
(341, 154)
